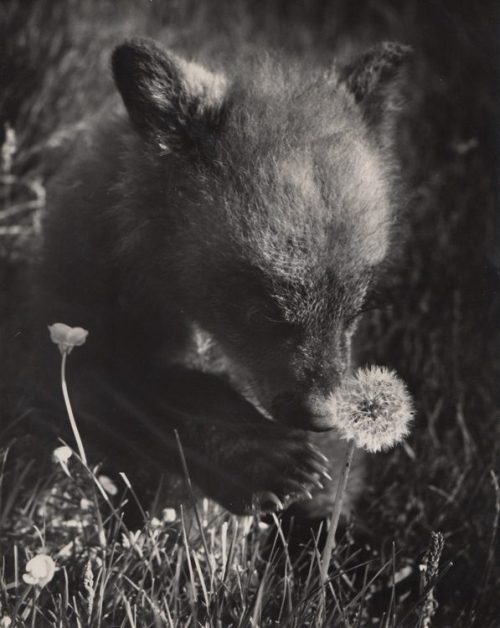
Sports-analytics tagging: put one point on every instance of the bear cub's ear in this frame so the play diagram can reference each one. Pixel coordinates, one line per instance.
(171, 102)
(376, 79)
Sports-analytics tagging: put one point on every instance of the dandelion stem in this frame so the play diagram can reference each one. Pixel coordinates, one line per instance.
(337, 506)
(71, 416)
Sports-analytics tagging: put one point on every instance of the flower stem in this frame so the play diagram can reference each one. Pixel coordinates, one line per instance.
(71, 416)
(337, 507)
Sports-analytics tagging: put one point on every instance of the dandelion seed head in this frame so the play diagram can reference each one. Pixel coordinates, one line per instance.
(39, 570)
(374, 408)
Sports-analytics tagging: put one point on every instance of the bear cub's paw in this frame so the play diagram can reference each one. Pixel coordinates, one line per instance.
(267, 469)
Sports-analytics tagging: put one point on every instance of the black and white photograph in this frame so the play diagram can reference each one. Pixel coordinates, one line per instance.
(249, 314)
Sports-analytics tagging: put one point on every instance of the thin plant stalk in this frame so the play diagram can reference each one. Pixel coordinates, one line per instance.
(337, 507)
(81, 450)
(69, 409)
(195, 508)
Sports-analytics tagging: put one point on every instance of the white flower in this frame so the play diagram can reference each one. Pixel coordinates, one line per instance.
(169, 515)
(66, 337)
(374, 409)
(62, 454)
(39, 570)
(5, 622)
(108, 485)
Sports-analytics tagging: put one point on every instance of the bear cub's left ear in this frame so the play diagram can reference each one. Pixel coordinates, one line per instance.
(171, 102)
(376, 79)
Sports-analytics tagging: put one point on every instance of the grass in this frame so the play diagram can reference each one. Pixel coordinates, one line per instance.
(439, 332)
(165, 574)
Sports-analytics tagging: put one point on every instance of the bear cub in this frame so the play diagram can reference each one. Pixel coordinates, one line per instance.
(219, 237)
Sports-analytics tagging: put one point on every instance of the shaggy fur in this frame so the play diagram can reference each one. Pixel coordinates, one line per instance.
(219, 243)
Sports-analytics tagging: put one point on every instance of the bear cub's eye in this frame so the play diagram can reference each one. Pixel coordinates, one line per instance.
(264, 319)
(258, 313)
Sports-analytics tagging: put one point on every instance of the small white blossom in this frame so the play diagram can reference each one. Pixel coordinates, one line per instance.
(66, 337)
(39, 570)
(374, 409)
(108, 485)
(169, 515)
(62, 454)
(5, 622)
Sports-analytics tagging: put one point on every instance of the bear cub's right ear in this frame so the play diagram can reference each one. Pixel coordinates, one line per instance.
(171, 102)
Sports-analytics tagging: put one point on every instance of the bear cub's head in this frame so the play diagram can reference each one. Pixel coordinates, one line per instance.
(268, 199)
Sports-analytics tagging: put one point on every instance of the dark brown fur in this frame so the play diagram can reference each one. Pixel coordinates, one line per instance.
(219, 245)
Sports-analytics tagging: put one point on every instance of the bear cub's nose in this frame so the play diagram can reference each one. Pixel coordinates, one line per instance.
(308, 412)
